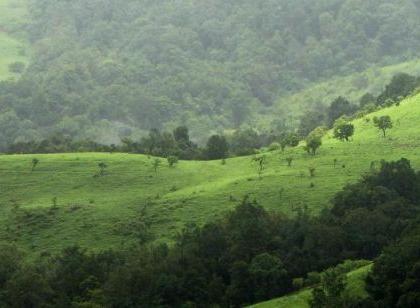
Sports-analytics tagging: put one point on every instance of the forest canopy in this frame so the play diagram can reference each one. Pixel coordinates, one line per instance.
(109, 69)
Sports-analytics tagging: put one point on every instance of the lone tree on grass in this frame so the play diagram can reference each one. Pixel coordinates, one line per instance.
(102, 168)
(383, 123)
(313, 143)
(291, 140)
(261, 163)
(156, 164)
(314, 140)
(35, 162)
(289, 161)
(172, 161)
(343, 131)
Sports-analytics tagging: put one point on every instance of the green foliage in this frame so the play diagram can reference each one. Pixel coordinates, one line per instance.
(17, 67)
(338, 108)
(217, 147)
(35, 162)
(102, 168)
(329, 294)
(203, 187)
(261, 162)
(313, 143)
(343, 130)
(156, 164)
(395, 276)
(400, 86)
(172, 161)
(383, 123)
(209, 71)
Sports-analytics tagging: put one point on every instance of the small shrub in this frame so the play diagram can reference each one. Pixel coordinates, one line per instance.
(172, 161)
(274, 146)
(298, 283)
(312, 279)
(35, 163)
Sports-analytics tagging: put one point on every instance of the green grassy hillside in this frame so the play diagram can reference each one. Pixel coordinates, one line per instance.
(355, 288)
(103, 212)
(12, 46)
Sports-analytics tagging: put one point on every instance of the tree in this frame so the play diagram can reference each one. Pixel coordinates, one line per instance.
(261, 162)
(383, 123)
(311, 120)
(35, 163)
(400, 86)
(181, 134)
(291, 140)
(338, 108)
(330, 293)
(366, 100)
(343, 130)
(102, 168)
(28, 288)
(268, 275)
(156, 164)
(172, 160)
(217, 147)
(289, 161)
(313, 143)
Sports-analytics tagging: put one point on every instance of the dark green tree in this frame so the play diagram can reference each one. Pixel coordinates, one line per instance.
(217, 147)
(383, 123)
(343, 130)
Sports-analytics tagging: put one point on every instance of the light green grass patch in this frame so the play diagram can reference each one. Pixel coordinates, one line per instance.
(99, 213)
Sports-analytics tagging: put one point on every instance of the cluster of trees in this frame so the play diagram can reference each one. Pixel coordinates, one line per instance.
(248, 256)
(341, 109)
(108, 69)
(175, 144)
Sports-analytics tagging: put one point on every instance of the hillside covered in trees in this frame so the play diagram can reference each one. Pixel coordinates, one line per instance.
(108, 69)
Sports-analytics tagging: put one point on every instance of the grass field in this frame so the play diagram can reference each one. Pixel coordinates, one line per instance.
(104, 212)
(355, 288)
(12, 41)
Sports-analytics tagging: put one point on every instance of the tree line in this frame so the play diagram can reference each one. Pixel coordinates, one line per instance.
(314, 125)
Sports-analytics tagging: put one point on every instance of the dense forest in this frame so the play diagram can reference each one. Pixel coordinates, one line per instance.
(107, 70)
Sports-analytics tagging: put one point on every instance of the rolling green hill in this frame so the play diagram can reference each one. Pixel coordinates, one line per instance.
(355, 288)
(12, 46)
(107, 211)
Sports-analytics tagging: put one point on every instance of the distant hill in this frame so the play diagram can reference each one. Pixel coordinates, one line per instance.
(107, 69)
(61, 202)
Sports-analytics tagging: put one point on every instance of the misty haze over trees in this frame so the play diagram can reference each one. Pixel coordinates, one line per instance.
(220, 153)
(109, 69)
